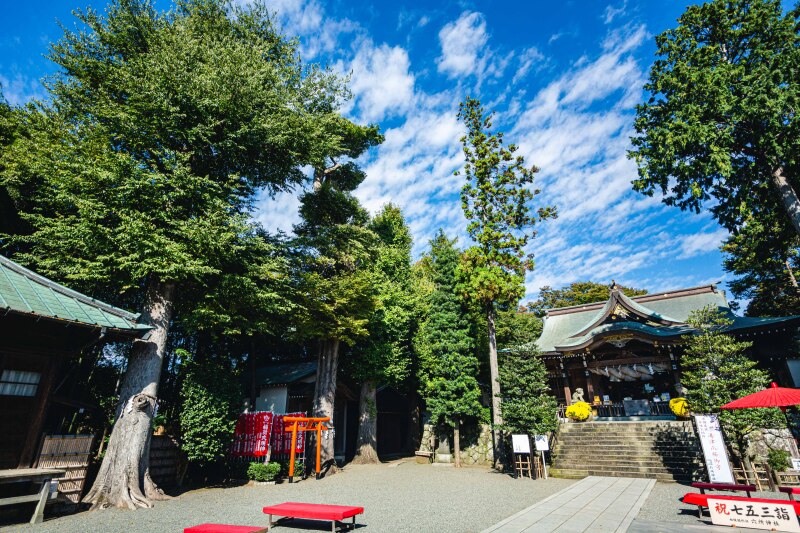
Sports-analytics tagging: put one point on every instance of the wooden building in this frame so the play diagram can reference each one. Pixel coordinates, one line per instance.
(624, 354)
(43, 325)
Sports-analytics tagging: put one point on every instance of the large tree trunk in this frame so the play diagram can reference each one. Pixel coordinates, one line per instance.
(457, 445)
(791, 203)
(124, 477)
(367, 446)
(497, 418)
(325, 395)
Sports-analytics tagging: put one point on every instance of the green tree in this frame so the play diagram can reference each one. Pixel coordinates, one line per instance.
(763, 257)
(210, 401)
(140, 173)
(577, 293)
(717, 370)
(447, 364)
(496, 201)
(720, 125)
(528, 405)
(517, 327)
(335, 274)
(385, 355)
(9, 217)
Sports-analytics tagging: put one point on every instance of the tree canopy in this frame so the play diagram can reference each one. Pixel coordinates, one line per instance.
(577, 293)
(717, 370)
(720, 127)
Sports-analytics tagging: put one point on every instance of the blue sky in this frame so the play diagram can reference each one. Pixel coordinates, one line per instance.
(563, 77)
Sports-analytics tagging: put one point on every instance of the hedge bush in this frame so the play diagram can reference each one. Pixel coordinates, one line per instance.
(263, 471)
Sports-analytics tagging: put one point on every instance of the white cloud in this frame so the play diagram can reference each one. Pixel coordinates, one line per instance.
(20, 89)
(701, 243)
(462, 43)
(381, 81)
(612, 12)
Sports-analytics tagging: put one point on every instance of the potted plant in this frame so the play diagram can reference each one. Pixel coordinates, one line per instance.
(579, 411)
(679, 407)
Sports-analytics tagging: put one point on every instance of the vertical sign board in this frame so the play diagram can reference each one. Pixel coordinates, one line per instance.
(521, 443)
(717, 464)
(540, 441)
(738, 513)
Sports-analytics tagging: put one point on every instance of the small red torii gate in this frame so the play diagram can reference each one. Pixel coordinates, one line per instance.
(303, 423)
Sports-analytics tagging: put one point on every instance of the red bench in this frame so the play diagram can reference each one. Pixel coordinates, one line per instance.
(701, 500)
(791, 491)
(723, 486)
(313, 511)
(224, 528)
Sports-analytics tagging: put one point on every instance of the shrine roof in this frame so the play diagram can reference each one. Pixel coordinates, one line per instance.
(25, 292)
(661, 315)
(285, 373)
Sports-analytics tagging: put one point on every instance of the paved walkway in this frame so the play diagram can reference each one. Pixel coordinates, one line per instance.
(592, 504)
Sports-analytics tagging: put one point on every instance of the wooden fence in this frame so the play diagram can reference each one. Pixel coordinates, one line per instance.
(71, 453)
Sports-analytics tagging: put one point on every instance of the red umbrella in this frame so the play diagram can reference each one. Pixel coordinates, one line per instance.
(774, 396)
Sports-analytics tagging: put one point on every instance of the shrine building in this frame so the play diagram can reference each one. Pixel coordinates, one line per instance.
(624, 355)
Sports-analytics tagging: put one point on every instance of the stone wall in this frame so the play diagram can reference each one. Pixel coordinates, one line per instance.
(476, 445)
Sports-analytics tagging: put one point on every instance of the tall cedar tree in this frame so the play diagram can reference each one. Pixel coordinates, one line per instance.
(335, 272)
(763, 255)
(385, 355)
(141, 172)
(448, 368)
(496, 201)
(528, 405)
(717, 370)
(721, 123)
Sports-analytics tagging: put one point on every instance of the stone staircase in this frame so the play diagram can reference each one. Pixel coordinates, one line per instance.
(662, 450)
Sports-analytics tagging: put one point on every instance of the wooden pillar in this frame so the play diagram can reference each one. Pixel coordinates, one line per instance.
(567, 389)
(589, 388)
(31, 446)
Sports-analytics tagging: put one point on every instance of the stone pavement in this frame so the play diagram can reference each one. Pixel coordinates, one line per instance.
(648, 526)
(593, 504)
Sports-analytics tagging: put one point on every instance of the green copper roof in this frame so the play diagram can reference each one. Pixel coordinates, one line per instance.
(285, 373)
(574, 327)
(24, 291)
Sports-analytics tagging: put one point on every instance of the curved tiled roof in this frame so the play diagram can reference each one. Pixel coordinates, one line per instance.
(570, 328)
(26, 292)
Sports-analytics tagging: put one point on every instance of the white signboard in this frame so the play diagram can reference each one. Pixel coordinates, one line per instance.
(741, 513)
(541, 443)
(795, 464)
(521, 443)
(719, 469)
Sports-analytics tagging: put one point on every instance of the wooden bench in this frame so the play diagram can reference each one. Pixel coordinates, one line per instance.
(701, 501)
(724, 486)
(224, 528)
(428, 456)
(40, 476)
(313, 511)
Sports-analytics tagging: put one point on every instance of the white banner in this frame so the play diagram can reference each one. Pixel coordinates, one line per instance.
(756, 515)
(541, 443)
(717, 464)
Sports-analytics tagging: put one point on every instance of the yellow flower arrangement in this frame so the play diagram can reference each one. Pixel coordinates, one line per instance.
(679, 406)
(579, 411)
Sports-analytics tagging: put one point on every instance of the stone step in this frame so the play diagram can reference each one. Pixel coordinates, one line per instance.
(618, 463)
(623, 431)
(641, 447)
(580, 474)
(566, 456)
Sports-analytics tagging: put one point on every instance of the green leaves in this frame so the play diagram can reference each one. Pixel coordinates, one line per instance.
(717, 370)
(528, 406)
(721, 116)
(496, 201)
(448, 368)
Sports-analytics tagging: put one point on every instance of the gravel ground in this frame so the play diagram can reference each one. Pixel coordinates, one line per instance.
(402, 496)
(664, 504)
